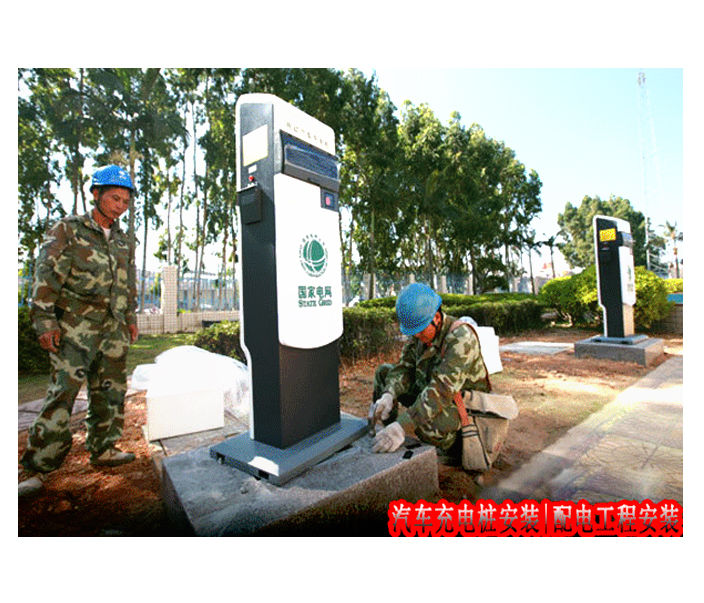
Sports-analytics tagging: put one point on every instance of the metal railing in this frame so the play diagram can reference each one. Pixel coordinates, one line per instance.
(211, 292)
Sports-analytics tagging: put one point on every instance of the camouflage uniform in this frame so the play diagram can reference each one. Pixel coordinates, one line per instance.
(426, 379)
(85, 287)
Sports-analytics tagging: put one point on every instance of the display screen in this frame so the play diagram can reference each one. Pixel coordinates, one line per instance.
(304, 161)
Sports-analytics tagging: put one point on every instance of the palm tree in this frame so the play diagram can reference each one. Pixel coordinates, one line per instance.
(672, 233)
(551, 244)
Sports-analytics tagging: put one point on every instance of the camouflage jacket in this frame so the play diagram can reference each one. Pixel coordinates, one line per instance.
(434, 374)
(81, 272)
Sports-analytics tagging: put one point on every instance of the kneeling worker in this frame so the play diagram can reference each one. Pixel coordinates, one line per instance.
(438, 362)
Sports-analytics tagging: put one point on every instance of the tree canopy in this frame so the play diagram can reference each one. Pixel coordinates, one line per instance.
(577, 230)
(417, 194)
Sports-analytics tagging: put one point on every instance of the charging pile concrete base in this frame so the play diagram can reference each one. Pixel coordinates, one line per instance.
(347, 494)
(278, 465)
(637, 348)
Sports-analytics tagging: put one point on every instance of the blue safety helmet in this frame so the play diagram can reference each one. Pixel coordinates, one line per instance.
(415, 307)
(111, 175)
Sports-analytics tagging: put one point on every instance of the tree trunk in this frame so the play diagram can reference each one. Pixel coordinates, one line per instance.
(372, 263)
(530, 266)
(168, 217)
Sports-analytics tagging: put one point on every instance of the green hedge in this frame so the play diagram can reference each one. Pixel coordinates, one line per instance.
(367, 331)
(221, 338)
(451, 299)
(32, 359)
(507, 317)
(508, 313)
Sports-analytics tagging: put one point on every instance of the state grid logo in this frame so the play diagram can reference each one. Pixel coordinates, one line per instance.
(313, 255)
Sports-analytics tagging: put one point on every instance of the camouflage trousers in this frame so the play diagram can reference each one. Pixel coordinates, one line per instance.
(442, 433)
(88, 351)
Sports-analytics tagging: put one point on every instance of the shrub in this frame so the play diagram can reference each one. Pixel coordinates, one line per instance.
(370, 330)
(558, 294)
(32, 359)
(450, 299)
(378, 302)
(221, 338)
(586, 306)
(367, 331)
(506, 312)
(674, 285)
(651, 299)
(506, 317)
(576, 297)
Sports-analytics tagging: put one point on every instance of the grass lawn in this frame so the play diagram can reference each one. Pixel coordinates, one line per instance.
(144, 351)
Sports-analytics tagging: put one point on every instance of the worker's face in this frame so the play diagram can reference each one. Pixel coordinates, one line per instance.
(113, 201)
(428, 334)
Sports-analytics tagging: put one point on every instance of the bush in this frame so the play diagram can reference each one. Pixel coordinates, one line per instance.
(506, 312)
(576, 298)
(370, 330)
(558, 294)
(451, 299)
(506, 317)
(32, 359)
(378, 302)
(367, 331)
(221, 338)
(651, 299)
(674, 285)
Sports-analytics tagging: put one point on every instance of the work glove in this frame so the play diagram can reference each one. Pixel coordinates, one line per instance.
(381, 409)
(389, 439)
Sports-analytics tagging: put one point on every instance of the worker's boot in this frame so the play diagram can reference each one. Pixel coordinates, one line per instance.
(111, 457)
(30, 484)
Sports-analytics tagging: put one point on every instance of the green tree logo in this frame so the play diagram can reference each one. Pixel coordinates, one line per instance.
(313, 255)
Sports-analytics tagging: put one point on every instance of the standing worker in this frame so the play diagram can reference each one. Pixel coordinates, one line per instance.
(83, 309)
(418, 392)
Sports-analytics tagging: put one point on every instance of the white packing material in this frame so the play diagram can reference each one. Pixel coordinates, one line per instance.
(489, 344)
(189, 368)
(188, 389)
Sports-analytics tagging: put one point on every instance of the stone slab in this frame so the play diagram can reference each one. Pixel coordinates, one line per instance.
(644, 352)
(347, 494)
(536, 347)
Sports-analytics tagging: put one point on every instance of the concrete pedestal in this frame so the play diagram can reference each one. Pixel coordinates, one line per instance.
(347, 494)
(642, 350)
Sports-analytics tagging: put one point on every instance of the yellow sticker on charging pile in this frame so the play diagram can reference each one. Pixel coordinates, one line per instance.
(607, 235)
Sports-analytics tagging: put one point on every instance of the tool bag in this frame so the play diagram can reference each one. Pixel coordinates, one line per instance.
(485, 418)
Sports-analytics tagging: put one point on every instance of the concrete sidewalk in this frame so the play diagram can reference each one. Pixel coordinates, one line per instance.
(629, 450)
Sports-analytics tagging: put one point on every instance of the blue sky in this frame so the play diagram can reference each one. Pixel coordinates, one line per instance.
(578, 128)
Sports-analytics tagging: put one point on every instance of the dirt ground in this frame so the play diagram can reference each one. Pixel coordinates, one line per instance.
(554, 393)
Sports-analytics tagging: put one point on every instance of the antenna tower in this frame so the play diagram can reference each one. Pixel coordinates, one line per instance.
(649, 155)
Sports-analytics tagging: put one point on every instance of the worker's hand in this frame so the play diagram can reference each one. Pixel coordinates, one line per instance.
(134, 333)
(50, 340)
(389, 439)
(381, 409)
